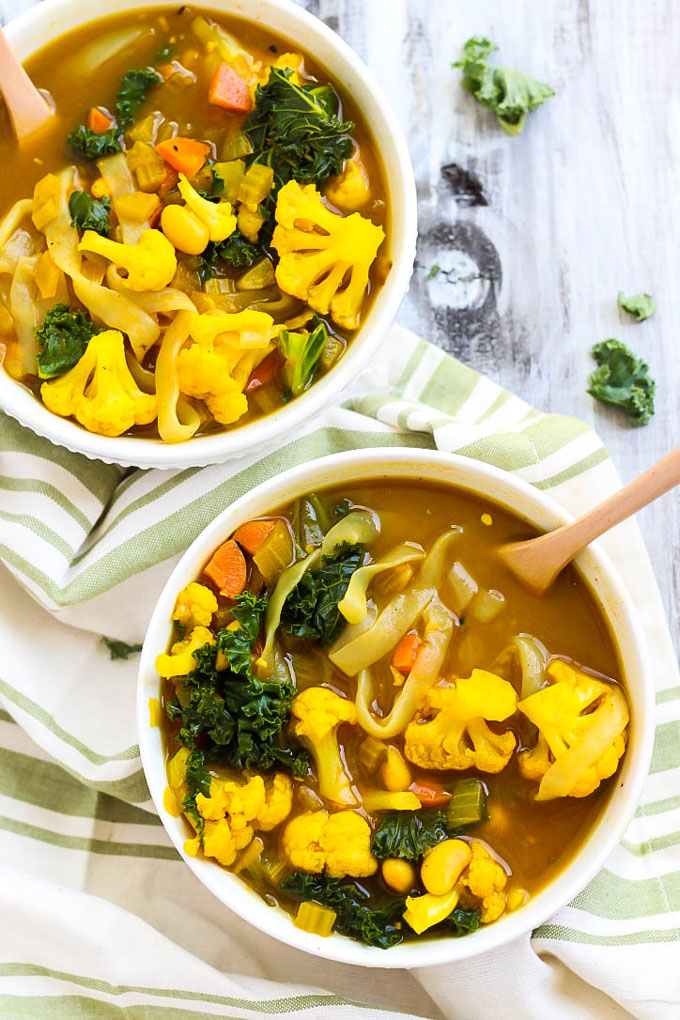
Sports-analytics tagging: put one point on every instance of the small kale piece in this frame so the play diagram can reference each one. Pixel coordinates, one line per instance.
(508, 93)
(311, 609)
(640, 306)
(408, 834)
(235, 252)
(62, 340)
(301, 353)
(89, 213)
(132, 91)
(462, 922)
(357, 914)
(165, 52)
(91, 145)
(622, 380)
(120, 649)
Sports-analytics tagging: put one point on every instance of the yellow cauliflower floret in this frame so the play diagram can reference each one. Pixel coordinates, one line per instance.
(278, 802)
(324, 258)
(577, 746)
(458, 736)
(288, 61)
(223, 843)
(339, 843)
(216, 216)
(318, 712)
(151, 263)
(486, 880)
(99, 391)
(195, 605)
(181, 659)
(350, 190)
(228, 812)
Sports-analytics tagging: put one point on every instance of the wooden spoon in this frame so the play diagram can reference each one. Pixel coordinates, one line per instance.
(27, 107)
(537, 562)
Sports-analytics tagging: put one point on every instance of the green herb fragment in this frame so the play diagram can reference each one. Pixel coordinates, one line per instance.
(236, 252)
(408, 834)
(462, 922)
(311, 609)
(120, 649)
(434, 271)
(62, 340)
(357, 914)
(505, 91)
(131, 94)
(91, 145)
(89, 213)
(622, 380)
(301, 353)
(641, 306)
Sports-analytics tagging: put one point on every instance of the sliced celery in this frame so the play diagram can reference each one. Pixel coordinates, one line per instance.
(467, 805)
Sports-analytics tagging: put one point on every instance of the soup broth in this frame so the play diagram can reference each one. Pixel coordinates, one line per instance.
(396, 782)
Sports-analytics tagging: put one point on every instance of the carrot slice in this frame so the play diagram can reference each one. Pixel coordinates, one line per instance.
(430, 793)
(251, 535)
(185, 155)
(264, 372)
(98, 121)
(405, 653)
(227, 569)
(229, 90)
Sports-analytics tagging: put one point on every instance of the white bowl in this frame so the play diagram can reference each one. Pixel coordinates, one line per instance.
(527, 503)
(43, 22)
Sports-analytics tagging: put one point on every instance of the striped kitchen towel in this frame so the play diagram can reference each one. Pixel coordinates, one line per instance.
(100, 917)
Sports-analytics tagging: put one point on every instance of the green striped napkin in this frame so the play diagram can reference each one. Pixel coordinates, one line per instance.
(100, 917)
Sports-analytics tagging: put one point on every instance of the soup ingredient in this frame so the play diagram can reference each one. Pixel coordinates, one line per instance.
(622, 380)
(227, 569)
(463, 710)
(182, 658)
(216, 216)
(91, 143)
(354, 604)
(319, 712)
(89, 213)
(315, 919)
(405, 653)
(423, 912)
(236, 252)
(357, 914)
(62, 340)
(150, 263)
(395, 773)
(229, 90)
(184, 230)
(507, 92)
(399, 874)
(581, 724)
(443, 865)
(339, 843)
(640, 306)
(439, 623)
(278, 802)
(311, 609)
(408, 834)
(99, 391)
(350, 190)
(195, 606)
(301, 351)
(379, 638)
(486, 879)
(252, 535)
(120, 649)
(185, 155)
(430, 793)
(467, 805)
(324, 259)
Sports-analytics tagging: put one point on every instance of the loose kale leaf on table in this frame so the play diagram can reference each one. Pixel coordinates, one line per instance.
(640, 306)
(120, 649)
(622, 380)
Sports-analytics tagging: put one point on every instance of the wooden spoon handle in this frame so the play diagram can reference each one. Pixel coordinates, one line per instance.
(27, 107)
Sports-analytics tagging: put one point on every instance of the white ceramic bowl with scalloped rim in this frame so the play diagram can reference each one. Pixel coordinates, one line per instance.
(34, 29)
(607, 589)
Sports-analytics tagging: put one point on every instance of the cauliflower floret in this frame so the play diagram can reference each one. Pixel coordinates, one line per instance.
(320, 250)
(223, 843)
(228, 812)
(463, 709)
(216, 216)
(151, 263)
(486, 880)
(576, 747)
(340, 843)
(195, 605)
(318, 712)
(99, 391)
(350, 190)
(181, 659)
(278, 802)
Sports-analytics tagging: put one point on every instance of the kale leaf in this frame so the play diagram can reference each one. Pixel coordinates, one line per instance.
(235, 252)
(120, 649)
(89, 213)
(357, 914)
(508, 93)
(623, 380)
(301, 353)
(230, 714)
(296, 131)
(640, 306)
(91, 145)
(311, 609)
(131, 94)
(462, 922)
(62, 340)
(408, 834)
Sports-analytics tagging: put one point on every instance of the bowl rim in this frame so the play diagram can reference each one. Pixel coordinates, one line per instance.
(384, 125)
(465, 474)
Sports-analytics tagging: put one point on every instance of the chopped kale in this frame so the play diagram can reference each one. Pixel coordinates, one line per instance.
(235, 252)
(120, 649)
(622, 380)
(311, 609)
(131, 94)
(408, 834)
(92, 145)
(62, 340)
(463, 922)
(89, 213)
(640, 306)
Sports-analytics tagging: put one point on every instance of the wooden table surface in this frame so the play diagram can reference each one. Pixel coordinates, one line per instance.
(536, 234)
